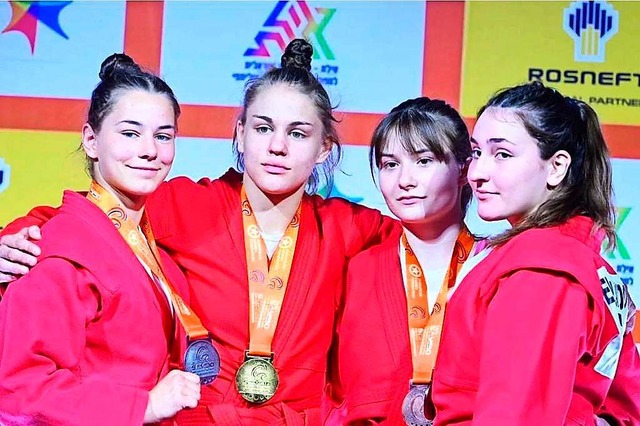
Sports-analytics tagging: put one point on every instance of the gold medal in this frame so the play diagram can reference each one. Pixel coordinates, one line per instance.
(257, 379)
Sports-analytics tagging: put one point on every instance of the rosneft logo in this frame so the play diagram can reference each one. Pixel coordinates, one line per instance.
(590, 24)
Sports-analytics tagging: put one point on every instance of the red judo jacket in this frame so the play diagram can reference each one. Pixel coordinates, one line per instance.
(86, 334)
(538, 334)
(200, 225)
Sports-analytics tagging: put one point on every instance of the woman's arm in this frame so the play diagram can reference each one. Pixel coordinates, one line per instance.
(43, 320)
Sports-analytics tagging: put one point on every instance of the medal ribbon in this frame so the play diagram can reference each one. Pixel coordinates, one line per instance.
(424, 328)
(147, 252)
(267, 283)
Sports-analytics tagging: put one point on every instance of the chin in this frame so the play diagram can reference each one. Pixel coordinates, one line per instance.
(277, 187)
(144, 190)
(489, 215)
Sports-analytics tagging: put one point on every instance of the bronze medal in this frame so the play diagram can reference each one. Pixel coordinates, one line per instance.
(257, 379)
(413, 406)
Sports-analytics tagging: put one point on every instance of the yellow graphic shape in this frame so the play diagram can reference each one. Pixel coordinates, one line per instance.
(43, 165)
(505, 39)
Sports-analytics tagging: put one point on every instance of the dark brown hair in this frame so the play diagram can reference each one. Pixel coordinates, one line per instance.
(559, 123)
(425, 123)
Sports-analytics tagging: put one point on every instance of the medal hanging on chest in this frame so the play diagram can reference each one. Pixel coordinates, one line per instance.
(413, 406)
(424, 328)
(201, 357)
(257, 378)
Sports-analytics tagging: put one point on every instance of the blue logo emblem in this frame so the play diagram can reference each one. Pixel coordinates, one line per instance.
(590, 24)
(5, 174)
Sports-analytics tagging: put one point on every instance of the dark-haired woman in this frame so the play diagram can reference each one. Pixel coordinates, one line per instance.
(539, 332)
(397, 292)
(265, 260)
(85, 336)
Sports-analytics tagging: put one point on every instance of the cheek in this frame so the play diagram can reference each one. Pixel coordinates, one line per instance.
(166, 153)
(386, 182)
(115, 151)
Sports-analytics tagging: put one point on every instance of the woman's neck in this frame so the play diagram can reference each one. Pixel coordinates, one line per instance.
(273, 212)
(132, 206)
(433, 242)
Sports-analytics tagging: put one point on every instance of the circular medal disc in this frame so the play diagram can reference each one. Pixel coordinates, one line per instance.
(413, 406)
(257, 380)
(202, 358)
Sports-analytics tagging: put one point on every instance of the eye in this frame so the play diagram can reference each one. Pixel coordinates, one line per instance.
(263, 129)
(425, 161)
(164, 138)
(475, 153)
(503, 155)
(129, 134)
(297, 134)
(389, 164)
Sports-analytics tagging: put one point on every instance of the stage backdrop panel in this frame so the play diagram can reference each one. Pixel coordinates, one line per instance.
(584, 49)
(226, 43)
(54, 48)
(34, 169)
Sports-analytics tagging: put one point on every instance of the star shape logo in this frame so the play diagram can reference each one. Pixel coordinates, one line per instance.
(25, 16)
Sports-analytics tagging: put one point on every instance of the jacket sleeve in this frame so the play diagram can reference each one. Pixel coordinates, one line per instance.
(622, 405)
(362, 226)
(353, 403)
(37, 216)
(534, 332)
(43, 322)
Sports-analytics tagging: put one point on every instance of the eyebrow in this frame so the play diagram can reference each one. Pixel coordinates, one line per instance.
(137, 123)
(294, 123)
(494, 140)
(419, 152)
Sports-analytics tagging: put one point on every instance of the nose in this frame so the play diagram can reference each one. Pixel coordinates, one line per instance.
(478, 169)
(407, 179)
(278, 143)
(148, 148)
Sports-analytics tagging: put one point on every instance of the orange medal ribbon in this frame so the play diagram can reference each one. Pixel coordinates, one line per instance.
(267, 283)
(424, 328)
(147, 252)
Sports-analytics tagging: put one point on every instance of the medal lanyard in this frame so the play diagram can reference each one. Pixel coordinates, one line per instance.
(425, 329)
(147, 252)
(267, 283)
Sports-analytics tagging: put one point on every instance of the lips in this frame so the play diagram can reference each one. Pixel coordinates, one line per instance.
(410, 199)
(147, 168)
(275, 168)
(145, 171)
(483, 195)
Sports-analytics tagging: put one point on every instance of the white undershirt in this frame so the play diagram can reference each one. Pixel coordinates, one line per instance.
(437, 276)
(434, 278)
(271, 242)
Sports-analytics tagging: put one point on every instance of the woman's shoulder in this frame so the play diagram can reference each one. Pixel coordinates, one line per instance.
(377, 255)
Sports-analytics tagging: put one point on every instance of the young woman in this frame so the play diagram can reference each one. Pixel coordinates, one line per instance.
(539, 331)
(264, 260)
(85, 336)
(397, 292)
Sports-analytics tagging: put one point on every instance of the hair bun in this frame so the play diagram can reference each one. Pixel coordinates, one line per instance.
(298, 54)
(114, 64)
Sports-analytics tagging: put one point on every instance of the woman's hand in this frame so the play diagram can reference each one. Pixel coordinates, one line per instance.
(18, 253)
(177, 390)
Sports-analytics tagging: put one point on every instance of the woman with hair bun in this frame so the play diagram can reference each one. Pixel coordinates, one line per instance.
(85, 337)
(539, 332)
(263, 258)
